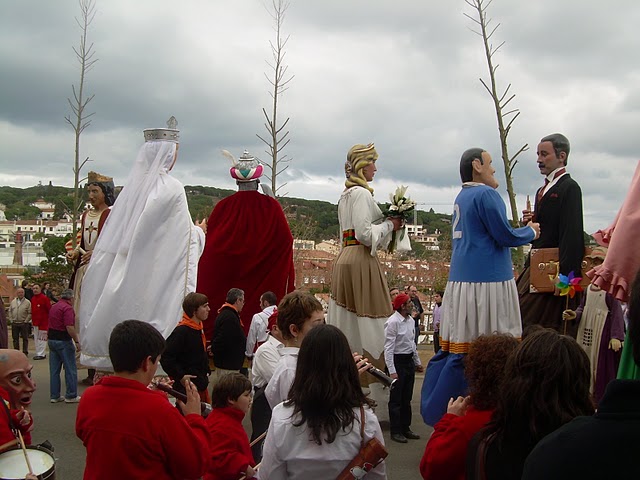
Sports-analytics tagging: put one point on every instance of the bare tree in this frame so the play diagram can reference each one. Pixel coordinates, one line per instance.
(500, 100)
(277, 138)
(79, 119)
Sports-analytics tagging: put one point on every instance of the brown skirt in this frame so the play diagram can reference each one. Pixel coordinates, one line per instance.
(358, 283)
(544, 309)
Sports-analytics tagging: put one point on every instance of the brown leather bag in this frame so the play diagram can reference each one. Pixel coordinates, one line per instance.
(370, 455)
(545, 266)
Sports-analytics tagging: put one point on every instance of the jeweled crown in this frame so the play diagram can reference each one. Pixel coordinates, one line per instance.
(171, 134)
(95, 177)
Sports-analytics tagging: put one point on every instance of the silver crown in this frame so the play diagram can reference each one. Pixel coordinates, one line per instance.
(247, 161)
(171, 134)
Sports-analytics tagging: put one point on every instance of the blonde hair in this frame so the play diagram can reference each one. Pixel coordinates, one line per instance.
(358, 157)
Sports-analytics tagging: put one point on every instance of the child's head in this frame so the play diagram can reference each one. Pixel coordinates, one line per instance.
(192, 302)
(131, 343)
(484, 367)
(232, 390)
(298, 312)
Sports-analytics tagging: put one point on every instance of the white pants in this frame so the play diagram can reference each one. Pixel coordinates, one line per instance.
(40, 344)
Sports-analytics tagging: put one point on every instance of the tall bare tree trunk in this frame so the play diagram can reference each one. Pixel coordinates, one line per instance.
(79, 120)
(500, 101)
(277, 140)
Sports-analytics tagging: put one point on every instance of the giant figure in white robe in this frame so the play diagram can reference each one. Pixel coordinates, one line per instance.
(146, 258)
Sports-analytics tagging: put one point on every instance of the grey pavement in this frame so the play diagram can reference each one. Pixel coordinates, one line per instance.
(56, 423)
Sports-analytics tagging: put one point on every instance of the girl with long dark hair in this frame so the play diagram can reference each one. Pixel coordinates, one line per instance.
(545, 385)
(317, 431)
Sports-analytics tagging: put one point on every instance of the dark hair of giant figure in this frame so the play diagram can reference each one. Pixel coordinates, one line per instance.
(466, 163)
(560, 144)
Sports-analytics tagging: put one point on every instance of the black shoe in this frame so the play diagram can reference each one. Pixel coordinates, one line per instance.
(39, 357)
(398, 437)
(411, 435)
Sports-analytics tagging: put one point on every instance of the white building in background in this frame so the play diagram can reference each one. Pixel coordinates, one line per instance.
(415, 230)
(299, 244)
(29, 229)
(330, 246)
(32, 253)
(420, 235)
(46, 209)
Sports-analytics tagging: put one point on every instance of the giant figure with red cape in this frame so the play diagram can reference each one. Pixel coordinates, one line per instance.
(248, 246)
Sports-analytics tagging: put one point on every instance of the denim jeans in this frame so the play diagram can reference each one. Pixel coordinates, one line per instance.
(62, 352)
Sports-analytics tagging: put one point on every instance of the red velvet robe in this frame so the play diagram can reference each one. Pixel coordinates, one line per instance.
(249, 246)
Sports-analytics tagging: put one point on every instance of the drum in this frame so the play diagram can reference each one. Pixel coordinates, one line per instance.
(13, 465)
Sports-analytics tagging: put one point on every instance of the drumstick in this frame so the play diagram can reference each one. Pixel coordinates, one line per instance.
(244, 476)
(258, 439)
(24, 450)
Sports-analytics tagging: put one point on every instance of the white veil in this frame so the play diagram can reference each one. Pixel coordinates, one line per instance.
(153, 159)
(145, 260)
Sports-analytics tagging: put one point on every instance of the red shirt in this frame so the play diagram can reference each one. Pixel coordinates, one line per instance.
(230, 451)
(446, 451)
(40, 306)
(131, 432)
(61, 316)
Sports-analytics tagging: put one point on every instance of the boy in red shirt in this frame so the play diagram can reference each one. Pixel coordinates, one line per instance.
(230, 453)
(130, 431)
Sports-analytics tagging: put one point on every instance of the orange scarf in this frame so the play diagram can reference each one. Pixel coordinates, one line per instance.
(187, 322)
(225, 304)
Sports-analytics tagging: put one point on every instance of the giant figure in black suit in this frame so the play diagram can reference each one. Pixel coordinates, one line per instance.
(558, 210)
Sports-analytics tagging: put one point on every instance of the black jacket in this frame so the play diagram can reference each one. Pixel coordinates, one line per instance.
(185, 355)
(229, 341)
(559, 213)
(605, 445)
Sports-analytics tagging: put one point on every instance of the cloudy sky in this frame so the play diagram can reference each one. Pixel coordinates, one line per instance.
(403, 74)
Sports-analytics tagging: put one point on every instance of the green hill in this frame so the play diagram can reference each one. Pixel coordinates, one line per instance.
(308, 219)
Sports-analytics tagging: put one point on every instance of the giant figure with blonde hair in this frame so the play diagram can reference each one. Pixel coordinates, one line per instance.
(359, 303)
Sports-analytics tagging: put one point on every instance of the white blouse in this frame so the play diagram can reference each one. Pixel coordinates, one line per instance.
(289, 452)
(278, 387)
(358, 210)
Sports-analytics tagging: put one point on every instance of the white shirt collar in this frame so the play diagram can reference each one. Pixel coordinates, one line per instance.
(269, 310)
(551, 175)
(275, 341)
(289, 351)
(401, 318)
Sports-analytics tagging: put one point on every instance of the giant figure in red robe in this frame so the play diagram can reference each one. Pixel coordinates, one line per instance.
(248, 246)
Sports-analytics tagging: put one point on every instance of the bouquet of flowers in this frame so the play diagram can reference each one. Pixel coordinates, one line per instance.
(400, 207)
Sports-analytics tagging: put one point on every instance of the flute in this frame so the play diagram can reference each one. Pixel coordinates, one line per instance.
(205, 408)
(380, 375)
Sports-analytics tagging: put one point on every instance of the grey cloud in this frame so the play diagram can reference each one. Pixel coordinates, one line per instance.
(402, 74)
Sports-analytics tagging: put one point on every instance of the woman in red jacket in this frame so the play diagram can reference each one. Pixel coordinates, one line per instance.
(445, 453)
